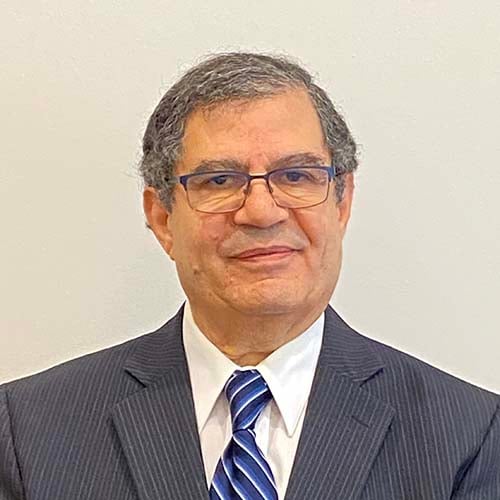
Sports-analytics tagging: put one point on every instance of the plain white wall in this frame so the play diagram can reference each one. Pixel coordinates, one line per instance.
(418, 82)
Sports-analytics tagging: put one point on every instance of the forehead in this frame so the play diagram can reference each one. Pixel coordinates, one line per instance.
(255, 132)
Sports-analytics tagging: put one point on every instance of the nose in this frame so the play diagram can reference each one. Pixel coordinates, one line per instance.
(260, 209)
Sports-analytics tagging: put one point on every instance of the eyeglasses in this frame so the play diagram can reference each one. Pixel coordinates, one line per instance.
(224, 191)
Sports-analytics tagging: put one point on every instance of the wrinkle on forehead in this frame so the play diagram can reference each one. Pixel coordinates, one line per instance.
(239, 107)
(241, 104)
(257, 133)
(304, 159)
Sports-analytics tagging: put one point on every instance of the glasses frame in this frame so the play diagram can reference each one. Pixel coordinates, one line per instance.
(183, 180)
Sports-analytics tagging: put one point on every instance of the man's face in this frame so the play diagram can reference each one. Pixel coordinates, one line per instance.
(260, 259)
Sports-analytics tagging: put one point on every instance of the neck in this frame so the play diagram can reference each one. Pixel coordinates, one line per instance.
(247, 339)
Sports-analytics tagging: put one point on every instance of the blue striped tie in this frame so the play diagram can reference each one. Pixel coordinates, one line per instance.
(242, 471)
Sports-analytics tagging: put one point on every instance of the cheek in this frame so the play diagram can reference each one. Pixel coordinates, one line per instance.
(324, 236)
(204, 241)
(212, 230)
(318, 226)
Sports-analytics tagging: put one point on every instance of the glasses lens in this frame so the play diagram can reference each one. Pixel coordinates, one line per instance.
(216, 192)
(299, 187)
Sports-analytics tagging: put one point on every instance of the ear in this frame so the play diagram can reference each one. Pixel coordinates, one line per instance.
(158, 219)
(344, 206)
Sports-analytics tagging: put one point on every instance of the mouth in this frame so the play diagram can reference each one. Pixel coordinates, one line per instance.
(267, 253)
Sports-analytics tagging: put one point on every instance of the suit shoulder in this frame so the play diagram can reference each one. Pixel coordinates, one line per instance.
(415, 387)
(90, 369)
(402, 363)
(411, 379)
(90, 384)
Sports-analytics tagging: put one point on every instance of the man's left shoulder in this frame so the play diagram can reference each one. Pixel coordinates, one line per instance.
(426, 381)
(431, 399)
(415, 387)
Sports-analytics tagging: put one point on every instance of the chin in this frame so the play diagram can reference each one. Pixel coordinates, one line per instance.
(266, 309)
(269, 302)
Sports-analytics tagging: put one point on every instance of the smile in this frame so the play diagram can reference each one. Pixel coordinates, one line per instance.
(252, 252)
(266, 255)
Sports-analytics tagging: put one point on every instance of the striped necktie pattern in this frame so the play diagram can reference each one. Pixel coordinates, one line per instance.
(243, 472)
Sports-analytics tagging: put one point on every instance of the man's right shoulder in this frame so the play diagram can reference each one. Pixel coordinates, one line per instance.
(94, 369)
(77, 394)
(91, 384)
(103, 367)
(80, 379)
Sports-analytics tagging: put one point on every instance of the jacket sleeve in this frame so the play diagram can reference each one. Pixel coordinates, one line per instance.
(10, 478)
(481, 480)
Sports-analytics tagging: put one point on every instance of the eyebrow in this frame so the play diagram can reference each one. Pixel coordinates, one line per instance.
(297, 159)
(222, 164)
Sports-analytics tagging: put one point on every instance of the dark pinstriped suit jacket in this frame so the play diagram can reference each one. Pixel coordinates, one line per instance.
(119, 424)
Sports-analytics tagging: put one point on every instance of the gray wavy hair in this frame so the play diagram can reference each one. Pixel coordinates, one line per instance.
(226, 77)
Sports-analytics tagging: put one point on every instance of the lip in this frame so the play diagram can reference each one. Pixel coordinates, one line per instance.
(262, 253)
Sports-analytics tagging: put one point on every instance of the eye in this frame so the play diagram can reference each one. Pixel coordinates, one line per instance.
(294, 175)
(218, 180)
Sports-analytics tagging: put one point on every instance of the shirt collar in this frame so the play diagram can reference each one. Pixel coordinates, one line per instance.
(288, 371)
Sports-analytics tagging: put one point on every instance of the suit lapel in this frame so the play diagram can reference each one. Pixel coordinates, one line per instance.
(343, 430)
(344, 425)
(156, 425)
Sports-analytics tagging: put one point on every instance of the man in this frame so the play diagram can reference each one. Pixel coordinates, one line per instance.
(256, 388)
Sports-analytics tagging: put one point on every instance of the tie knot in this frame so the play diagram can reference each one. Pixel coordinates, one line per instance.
(247, 394)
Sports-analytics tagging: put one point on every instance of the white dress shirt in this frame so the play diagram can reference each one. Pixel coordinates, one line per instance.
(289, 373)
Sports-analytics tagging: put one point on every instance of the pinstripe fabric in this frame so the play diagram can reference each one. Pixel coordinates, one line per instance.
(10, 480)
(119, 425)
